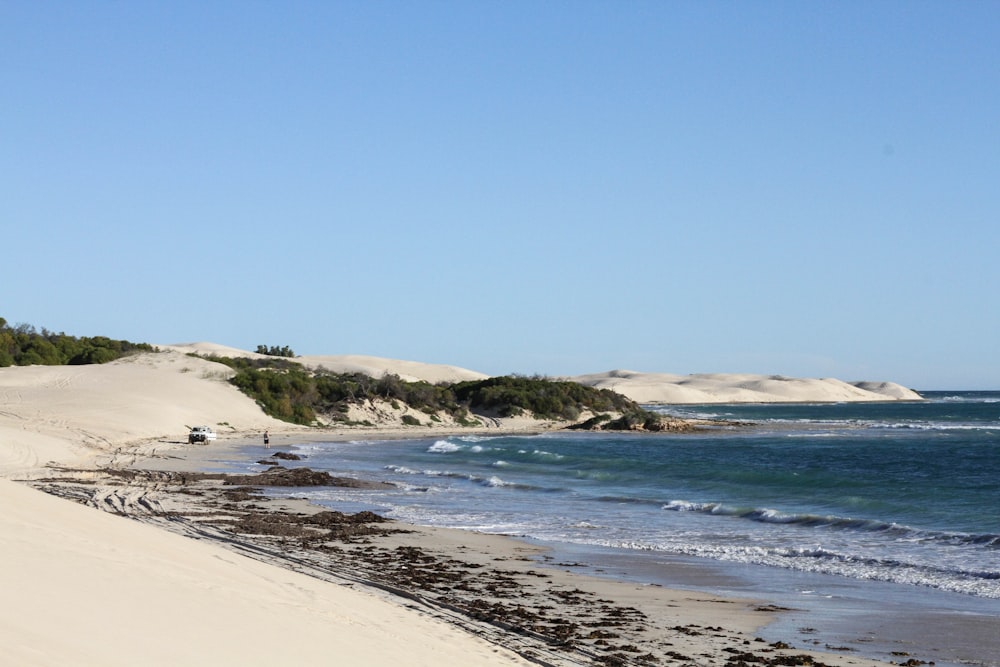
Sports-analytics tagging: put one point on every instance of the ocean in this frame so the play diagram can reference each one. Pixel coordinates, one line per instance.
(848, 513)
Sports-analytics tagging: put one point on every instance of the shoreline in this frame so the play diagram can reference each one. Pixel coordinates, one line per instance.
(817, 611)
(722, 626)
(685, 606)
(874, 619)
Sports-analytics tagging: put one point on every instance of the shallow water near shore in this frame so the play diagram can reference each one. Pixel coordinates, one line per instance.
(877, 523)
(884, 621)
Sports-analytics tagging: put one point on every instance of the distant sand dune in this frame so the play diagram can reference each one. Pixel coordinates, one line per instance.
(641, 387)
(741, 388)
(411, 371)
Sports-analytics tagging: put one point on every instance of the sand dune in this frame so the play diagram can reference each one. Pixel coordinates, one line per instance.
(741, 388)
(71, 413)
(410, 371)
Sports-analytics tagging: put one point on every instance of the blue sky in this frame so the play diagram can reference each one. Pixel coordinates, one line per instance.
(810, 189)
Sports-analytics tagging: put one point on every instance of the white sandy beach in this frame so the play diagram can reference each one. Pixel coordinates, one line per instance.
(84, 587)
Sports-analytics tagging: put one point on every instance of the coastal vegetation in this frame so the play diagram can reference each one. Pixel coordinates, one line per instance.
(23, 345)
(275, 351)
(543, 398)
(288, 391)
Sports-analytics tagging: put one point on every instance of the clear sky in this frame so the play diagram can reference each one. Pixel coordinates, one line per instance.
(801, 188)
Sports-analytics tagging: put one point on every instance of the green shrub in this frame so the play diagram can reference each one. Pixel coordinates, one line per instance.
(23, 345)
(275, 351)
(510, 396)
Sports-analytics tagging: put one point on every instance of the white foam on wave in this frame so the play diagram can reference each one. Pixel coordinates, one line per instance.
(934, 426)
(444, 447)
(818, 560)
(414, 488)
(476, 438)
(689, 413)
(969, 399)
(402, 470)
(545, 454)
(686, 506)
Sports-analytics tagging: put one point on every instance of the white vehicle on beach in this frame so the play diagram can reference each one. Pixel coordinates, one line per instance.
(200, 434)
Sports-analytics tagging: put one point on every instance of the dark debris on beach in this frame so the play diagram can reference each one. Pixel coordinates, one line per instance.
(520, 608)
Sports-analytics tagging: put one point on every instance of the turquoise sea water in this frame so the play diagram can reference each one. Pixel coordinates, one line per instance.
(905, 494)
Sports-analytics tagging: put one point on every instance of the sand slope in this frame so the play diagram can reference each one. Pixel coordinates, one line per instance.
(411, 371)
(82, 587)
(70, 413)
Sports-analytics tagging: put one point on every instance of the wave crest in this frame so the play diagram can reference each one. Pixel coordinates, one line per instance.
(833, 522)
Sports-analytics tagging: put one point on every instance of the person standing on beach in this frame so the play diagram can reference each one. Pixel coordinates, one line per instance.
(267, 441)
